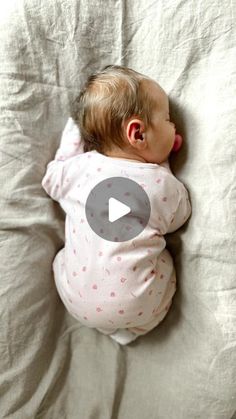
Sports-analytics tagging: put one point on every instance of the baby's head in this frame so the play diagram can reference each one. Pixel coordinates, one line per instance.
(122, 113)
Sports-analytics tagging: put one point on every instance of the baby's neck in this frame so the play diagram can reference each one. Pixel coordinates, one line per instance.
(123, 155)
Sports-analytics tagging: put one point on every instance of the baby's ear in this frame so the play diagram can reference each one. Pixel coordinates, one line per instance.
(135, 133)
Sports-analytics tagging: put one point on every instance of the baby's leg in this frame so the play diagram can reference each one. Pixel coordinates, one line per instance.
(126, 336)
(140, 331)
(162, 309)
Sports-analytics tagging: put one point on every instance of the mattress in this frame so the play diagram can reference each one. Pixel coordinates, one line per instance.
(50, 365)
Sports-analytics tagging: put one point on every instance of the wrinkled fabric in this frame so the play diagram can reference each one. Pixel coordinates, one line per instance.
(50, 365)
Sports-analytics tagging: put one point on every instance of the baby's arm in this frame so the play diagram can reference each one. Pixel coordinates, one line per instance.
(173, 202)
(52, 181)
(70, 146)
(71, 143)
(182, 211)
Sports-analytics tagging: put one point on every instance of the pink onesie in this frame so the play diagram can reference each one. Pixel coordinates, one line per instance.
(111, 285)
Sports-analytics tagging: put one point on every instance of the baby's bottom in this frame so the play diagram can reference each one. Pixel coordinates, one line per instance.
(125, 336)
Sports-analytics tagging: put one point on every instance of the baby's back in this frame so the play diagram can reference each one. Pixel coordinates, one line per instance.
(108, 283)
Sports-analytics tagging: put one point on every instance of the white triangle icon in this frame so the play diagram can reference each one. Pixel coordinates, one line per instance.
(116, 209)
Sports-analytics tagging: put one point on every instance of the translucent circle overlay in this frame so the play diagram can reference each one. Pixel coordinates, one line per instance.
(129, 193)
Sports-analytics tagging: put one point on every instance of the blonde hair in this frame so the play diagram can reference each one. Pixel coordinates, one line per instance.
(108, 98)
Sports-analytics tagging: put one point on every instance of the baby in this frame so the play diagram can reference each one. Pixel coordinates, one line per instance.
(123, 289)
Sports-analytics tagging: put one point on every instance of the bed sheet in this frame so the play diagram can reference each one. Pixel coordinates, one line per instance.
(50, 365)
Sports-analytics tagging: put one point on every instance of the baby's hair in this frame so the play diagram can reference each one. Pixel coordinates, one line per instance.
(108, 98)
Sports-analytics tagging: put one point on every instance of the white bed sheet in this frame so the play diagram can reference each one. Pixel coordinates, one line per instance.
(52, 367)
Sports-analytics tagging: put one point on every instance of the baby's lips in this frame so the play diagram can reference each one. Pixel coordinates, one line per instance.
(178, 143)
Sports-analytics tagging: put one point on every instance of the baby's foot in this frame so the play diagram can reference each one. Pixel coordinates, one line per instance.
(123, 336)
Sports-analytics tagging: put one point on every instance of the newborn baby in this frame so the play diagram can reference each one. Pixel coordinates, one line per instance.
(123, 289)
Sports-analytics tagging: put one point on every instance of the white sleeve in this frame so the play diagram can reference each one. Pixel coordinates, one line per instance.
(53, 179)
(171, 204)
(71, 145)
(182, 211)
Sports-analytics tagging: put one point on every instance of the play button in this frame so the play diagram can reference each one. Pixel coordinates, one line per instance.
(117, 209)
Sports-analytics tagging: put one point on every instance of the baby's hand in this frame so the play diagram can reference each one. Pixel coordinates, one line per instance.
(178, 143)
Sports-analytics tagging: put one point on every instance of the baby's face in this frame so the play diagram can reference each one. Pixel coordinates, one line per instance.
(160, 135)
